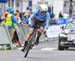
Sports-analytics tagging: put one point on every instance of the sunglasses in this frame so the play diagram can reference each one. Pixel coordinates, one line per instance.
(43, 11)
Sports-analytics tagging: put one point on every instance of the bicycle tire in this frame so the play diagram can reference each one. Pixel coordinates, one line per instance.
(27, 51)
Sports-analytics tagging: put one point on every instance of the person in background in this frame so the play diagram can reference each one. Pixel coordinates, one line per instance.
(29, 9)
(0, 19)
(19, 16)
(52, 15)
(49, 9)
(10, 21)
(15, 37)
(26, 17)
(60, 15)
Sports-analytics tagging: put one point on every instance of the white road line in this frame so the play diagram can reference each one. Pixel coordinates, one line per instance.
(48, 49)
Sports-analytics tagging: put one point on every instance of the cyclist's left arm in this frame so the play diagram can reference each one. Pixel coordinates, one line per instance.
(47, 20)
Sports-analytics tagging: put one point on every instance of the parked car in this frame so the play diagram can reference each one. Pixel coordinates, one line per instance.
(67, 36)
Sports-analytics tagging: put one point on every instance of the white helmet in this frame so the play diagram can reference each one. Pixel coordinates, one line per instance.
(43, 7)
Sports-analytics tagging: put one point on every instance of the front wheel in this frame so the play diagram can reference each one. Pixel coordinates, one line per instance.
(27, 50)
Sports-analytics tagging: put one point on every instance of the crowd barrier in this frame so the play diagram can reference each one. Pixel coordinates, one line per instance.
(5, 39)
(4, 36)
(53, 31)
(22, 31)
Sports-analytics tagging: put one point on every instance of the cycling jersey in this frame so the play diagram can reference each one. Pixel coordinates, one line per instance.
(39, 17)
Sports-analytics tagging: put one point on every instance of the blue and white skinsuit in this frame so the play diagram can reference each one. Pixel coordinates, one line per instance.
(39, 16)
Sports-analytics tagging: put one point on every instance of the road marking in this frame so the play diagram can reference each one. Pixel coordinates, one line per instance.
(48, 49)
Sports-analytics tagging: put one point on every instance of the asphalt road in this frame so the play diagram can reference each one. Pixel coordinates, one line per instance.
(46, 51)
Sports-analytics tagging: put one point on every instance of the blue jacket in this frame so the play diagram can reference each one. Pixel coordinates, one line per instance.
(37, 13)
(25, 20)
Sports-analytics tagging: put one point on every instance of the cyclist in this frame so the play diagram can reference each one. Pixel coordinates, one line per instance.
(41, 17)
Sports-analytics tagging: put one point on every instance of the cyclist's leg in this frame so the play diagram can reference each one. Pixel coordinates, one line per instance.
(40, 30)
(38, 35)
(28, 38)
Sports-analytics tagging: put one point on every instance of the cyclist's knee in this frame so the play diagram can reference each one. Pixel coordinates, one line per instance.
(31, 31)
(40, 30)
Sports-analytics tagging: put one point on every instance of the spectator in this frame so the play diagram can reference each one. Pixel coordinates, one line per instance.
(29, 8)
(52, 15)
(19, 16)
(26, 17)
(60, 15)
(15, 37)
(10, 21)
(49, 9)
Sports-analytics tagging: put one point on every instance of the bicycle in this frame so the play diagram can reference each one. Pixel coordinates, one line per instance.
(31, 42)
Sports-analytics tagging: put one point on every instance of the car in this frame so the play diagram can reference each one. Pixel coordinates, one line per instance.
(67, 36)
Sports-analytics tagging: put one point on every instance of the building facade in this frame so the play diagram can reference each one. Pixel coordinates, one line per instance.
(21, 5)
(57, 5)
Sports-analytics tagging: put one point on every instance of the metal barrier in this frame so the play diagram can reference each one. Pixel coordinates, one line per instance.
(4, 36)
(53, 31)
(22, 31)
